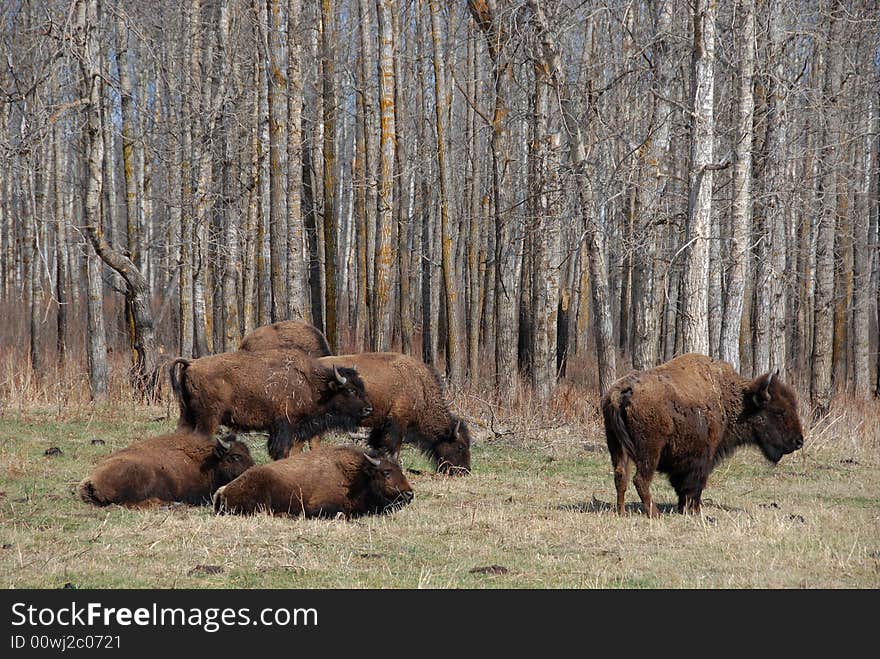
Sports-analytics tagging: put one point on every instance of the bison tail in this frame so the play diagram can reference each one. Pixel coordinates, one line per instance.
(614, 410)
(177, 375)
(87, 493)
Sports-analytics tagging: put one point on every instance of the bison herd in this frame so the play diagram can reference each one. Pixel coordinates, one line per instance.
(680, 418)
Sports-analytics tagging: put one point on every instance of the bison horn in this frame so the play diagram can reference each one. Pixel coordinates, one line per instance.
(223, 445)
(373, 461)
(341, 380)
(457, 427)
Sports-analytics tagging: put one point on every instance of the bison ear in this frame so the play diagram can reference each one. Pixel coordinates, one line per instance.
(760, 388)
(223, 445)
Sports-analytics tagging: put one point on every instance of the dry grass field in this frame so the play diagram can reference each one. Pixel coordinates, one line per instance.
(536, 513)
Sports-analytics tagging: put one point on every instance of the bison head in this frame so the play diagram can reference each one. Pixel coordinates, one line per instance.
(231, 459)
(776, 426)
(388, 487)
(453, 451)
(342, 396)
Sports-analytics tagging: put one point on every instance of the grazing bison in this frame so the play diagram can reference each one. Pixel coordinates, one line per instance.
(285, 392)
(409, 405)
(287, 335)
(324, 482)
(682, 417)
(176, 467)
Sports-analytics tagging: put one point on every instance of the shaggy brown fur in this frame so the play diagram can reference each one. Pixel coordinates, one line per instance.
(287, 335)
(176, 467)
(324, 482)
(285, 392)
(682, 417)
(409, 405)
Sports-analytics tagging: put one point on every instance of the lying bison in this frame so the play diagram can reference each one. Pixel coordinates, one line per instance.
(682, 417)
(409, 405)
(285, 392)
(176, 467)
(287, 335)
(324, 482)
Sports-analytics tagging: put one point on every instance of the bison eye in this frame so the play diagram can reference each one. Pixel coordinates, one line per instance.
(386, 473)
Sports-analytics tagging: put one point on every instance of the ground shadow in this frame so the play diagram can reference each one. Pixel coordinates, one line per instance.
(599, 506)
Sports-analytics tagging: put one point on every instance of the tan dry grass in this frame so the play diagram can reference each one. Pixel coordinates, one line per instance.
(536, 513)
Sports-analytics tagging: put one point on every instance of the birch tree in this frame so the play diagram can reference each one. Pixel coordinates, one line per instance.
(694, 291)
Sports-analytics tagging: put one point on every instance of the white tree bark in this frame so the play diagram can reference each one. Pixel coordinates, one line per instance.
(742, 191)
(694, 296)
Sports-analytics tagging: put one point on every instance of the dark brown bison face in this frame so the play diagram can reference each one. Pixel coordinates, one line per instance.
(389, 488)
(343, 396)
(453, 454)
(776, 423)
(232, 459)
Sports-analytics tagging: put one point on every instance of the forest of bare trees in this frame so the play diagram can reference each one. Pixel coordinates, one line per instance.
(513, 190)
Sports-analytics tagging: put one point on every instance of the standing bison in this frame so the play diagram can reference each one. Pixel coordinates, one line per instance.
(176, 467)
(683, 417)
(285, 392)
(409, 405)
(324, 482)
(287, 335)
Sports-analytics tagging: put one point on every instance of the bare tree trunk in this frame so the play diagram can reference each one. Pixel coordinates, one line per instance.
(187, 331)
(329, 99)
(89, 20)
(742, 191)
(145, 367)
(31, 263)
(545, 234)
(385, 214)
(297, 274)
(823, 310)
(863, 256)
(474, 235)
(599, 288)
(403, 181)
(486, 14)
(277, 98)
(264, 183)
(694, 296)
(450, 289)
(62, 294)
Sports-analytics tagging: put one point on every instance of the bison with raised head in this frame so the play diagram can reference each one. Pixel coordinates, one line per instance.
(175, 467)
(287, 335)
(409, 405)
(285, 392)
(683, 417)
(324, 482)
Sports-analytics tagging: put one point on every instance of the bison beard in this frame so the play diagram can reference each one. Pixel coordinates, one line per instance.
(682, 417)
(177, 467)
(324, 482)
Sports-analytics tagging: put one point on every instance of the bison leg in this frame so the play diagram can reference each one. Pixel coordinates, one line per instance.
(689, 488)
(622, 471)
(689, 503)
(280, 440)
(300, 444)
(642, 481)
